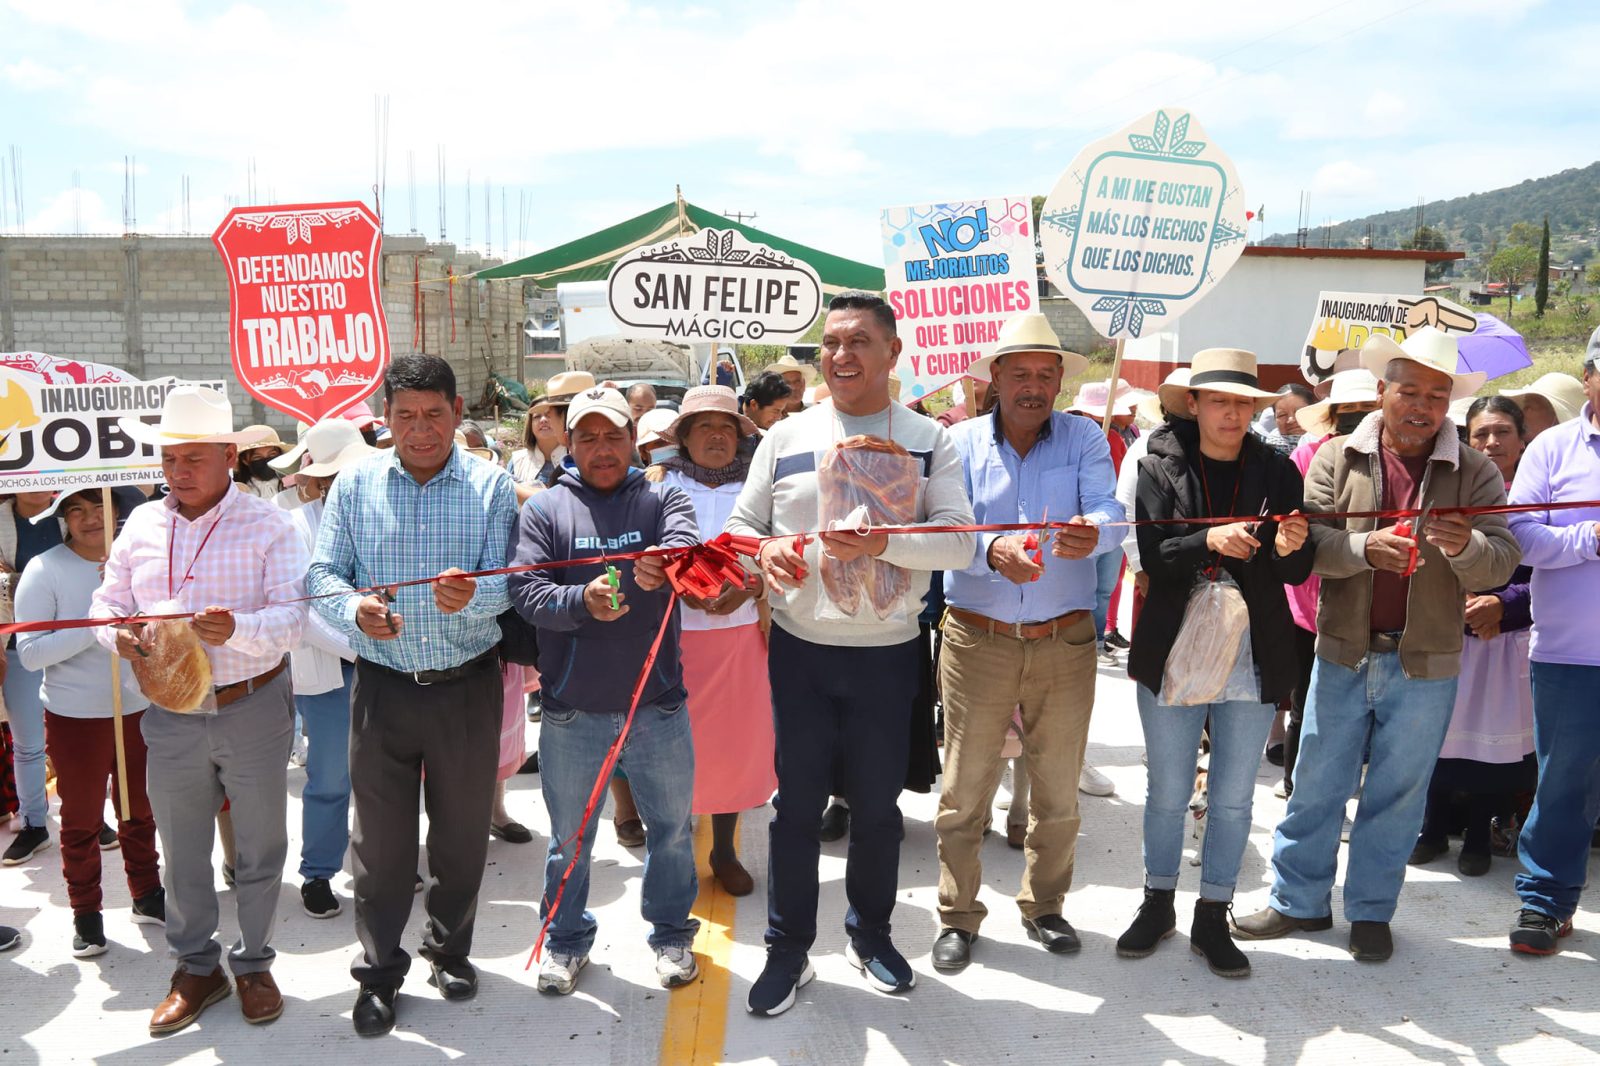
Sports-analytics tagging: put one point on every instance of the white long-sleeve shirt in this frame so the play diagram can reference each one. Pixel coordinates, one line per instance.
(77, 675)
(1127, 489)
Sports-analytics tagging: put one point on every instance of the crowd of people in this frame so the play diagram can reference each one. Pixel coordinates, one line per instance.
(377, 602)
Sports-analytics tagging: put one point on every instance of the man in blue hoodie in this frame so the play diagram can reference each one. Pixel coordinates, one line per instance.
(593, 639)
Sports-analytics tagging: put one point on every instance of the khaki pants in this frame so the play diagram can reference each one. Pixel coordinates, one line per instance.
(985, 677)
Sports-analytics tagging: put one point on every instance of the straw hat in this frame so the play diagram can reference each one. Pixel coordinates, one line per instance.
(1429, 346)
(1563, 392)
(1349, 386)
(653, 424)
(701, 399)
(1028, 332)
(485, 454)
(192, 414)
(332, 445)
(265, 437)
(560, 390)
(1149, 407)
(788, 364)
(1092, 398)
(1229, 370)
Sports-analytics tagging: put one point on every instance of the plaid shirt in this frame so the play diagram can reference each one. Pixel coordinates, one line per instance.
(243, 554)
(380, 526)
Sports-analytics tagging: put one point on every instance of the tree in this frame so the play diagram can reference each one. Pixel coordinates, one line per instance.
(1541, 293)
(1514, 265)
(1592, 276)
(1472, 233)
(1525, 233)
(1428, 239)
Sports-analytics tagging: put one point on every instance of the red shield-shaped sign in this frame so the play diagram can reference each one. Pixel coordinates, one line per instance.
(307, 329)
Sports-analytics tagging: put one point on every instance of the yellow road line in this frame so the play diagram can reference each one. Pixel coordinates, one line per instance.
(697, 1016)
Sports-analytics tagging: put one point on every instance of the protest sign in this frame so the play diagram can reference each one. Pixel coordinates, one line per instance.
(955, 273)
(1143, 223)
(1344, 320)
(58, 371)
(712, 286)
(64, 435)
(307, 329)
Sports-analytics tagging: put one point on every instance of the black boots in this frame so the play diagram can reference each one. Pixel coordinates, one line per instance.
(1208, 936)
(1155, 922)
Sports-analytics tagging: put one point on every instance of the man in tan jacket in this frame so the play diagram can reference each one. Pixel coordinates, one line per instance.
(1388, 643)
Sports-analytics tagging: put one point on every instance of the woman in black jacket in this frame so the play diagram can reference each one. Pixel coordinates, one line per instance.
(1210, 465)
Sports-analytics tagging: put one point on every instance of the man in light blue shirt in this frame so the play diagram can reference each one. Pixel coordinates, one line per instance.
(425, 709)
(1019, 633)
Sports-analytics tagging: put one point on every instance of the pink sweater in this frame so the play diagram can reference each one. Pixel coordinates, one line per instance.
(1303, 597)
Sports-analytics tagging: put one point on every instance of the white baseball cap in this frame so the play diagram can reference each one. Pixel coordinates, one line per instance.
(608, 402)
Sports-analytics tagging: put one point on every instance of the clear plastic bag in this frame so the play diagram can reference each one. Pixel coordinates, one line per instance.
(1210, 661)
(174, 672)
(863, 482)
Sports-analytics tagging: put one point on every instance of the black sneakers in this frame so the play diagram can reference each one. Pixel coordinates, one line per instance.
(151, 909)
(318, 900)
(1536, 933)
(774, 991)
(28, 843)
(108, 838)
(88, 935)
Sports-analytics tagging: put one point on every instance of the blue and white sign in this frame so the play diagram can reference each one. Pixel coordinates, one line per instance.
(1143, 224)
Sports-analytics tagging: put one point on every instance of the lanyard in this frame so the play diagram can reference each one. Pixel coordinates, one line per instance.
(172, 535)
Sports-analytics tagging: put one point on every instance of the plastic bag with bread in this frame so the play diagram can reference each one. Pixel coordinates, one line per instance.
(862, 482)
(174, 671)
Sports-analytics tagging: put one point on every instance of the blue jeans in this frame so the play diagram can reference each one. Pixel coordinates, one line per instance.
(1172, 741)
(1107, 566)
(659, 758)
(325, 803)
(1554, 846)
(25, 711)
(1401, 723)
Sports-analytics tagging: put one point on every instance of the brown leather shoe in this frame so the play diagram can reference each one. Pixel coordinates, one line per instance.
(733, 877)
(259, 999)
(191, 994)
(1016, 836)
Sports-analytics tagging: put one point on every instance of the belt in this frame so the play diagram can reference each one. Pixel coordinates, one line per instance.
(1019, 630)
(237, 691)
(1383, 643)
(439, 677)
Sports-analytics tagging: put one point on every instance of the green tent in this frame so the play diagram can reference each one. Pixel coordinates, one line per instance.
(591, 258)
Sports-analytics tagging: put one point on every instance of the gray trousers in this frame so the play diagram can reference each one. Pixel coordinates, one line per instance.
(443, 739)
(195, 762)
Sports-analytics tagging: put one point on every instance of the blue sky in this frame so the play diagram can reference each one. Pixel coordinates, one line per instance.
(812, 114)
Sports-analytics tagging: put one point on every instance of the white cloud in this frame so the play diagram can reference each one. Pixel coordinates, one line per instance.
(29, 76)
(76, 211)
(1344, 179)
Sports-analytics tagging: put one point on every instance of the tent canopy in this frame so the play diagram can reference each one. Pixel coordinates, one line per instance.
(591, 258)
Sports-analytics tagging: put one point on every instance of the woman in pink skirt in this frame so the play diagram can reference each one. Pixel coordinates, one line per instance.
(724, 644)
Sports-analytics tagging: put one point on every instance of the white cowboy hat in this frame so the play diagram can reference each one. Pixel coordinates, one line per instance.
(1431, 347)
(191, 414)
(1028, 332)
(1150, 406)
(1349, 386)
(717, 399)
(1092, 399)
(1229, 370)
(788, 364)
(559, 390)
(331, 445)
(1563, 392)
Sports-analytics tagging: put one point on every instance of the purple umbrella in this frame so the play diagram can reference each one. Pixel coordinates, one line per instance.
(1493, 348)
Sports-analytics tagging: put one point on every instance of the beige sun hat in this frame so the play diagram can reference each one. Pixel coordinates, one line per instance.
(717, 399)
(788, 364)
(560, 390)
(191, 414)
(333, 444)
(653, 424)
(1349, 386)
(1028, 332)
(1094, 395)
(1149, 408)
(1229, 370)
(265, 437)
(1429, 346)
(1563, 392)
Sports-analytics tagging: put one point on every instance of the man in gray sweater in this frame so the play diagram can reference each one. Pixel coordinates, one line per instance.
(843, 680)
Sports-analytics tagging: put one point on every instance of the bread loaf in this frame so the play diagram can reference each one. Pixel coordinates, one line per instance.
(175, 674)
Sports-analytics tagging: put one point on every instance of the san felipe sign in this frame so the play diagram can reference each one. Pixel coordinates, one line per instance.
(713, 286)
(307, 326)
(1143, 224)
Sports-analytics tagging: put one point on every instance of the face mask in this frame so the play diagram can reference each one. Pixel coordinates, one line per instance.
(261, 470)
(1348, 422)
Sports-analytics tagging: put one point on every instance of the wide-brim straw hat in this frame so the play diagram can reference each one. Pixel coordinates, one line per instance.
(703, 399)
(559, 390)
(1563, 392)
(1429, 346)
(192, 414)
(333, 444)
(788, 364)
(1028, 332)
(266, 437)
(1229, 370)
(1349, 386)
(1093, 396)
(1149, 408)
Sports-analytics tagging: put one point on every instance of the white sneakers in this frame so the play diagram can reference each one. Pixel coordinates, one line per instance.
(675, 966)
(558, 973)
(1095, 783)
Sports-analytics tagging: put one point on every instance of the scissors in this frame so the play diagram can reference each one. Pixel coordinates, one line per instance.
(388, 613)
(1033, 543)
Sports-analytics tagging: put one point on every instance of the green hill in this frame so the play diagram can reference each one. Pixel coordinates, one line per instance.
(1472, 223)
